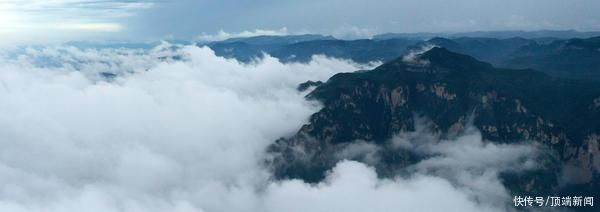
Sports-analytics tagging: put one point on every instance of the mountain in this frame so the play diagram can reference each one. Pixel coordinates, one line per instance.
(302, 48)
(278, 40)
(363, 51)
(246, 49)
(492, 50)
(574, 58)
(451, 90)
(540, 34)
(239, 50)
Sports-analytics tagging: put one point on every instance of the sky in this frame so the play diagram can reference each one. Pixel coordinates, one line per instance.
(59, 20)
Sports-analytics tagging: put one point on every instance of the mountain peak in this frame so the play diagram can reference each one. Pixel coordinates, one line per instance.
(442, 57)
(437, 59)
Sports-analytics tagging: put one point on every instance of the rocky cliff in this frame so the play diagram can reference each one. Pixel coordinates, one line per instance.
(450, 91)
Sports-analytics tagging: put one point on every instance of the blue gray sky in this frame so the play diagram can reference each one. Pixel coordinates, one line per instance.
(211, 19)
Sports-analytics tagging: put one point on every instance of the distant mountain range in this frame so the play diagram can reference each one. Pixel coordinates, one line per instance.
(576, 58)
(567, 54)
(572, 58)
(302, 48)
(278, 40)
(541, 34)
(449, 89)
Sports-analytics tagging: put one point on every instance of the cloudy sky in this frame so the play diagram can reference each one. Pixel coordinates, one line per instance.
(187, 19)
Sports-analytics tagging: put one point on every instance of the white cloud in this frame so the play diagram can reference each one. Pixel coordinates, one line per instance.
(163, 134)
(222, 35)
(35, 21)
(189, 134)
(413, 56)
(470, 163)
(352, 186)
(353, 32)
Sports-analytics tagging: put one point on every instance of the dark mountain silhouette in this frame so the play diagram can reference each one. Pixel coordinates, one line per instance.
(449, 89)
(573, 58)
(362, 51)
(540, 34)
(491, 50)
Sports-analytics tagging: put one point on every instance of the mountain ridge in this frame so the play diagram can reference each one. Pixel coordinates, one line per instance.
(575, 58)
(506, 105)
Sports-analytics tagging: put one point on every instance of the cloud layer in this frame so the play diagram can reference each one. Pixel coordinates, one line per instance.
(59, 20)
(177, 128)
(222, 35)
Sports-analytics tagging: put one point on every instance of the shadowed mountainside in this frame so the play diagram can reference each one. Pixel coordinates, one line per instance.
(449, 89)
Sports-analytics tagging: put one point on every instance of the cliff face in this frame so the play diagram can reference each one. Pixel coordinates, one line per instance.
(450, 91)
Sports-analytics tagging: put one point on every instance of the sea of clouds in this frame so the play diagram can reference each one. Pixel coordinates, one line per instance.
(178, 129)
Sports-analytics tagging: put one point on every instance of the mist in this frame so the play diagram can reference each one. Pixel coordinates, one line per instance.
(177, 128)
